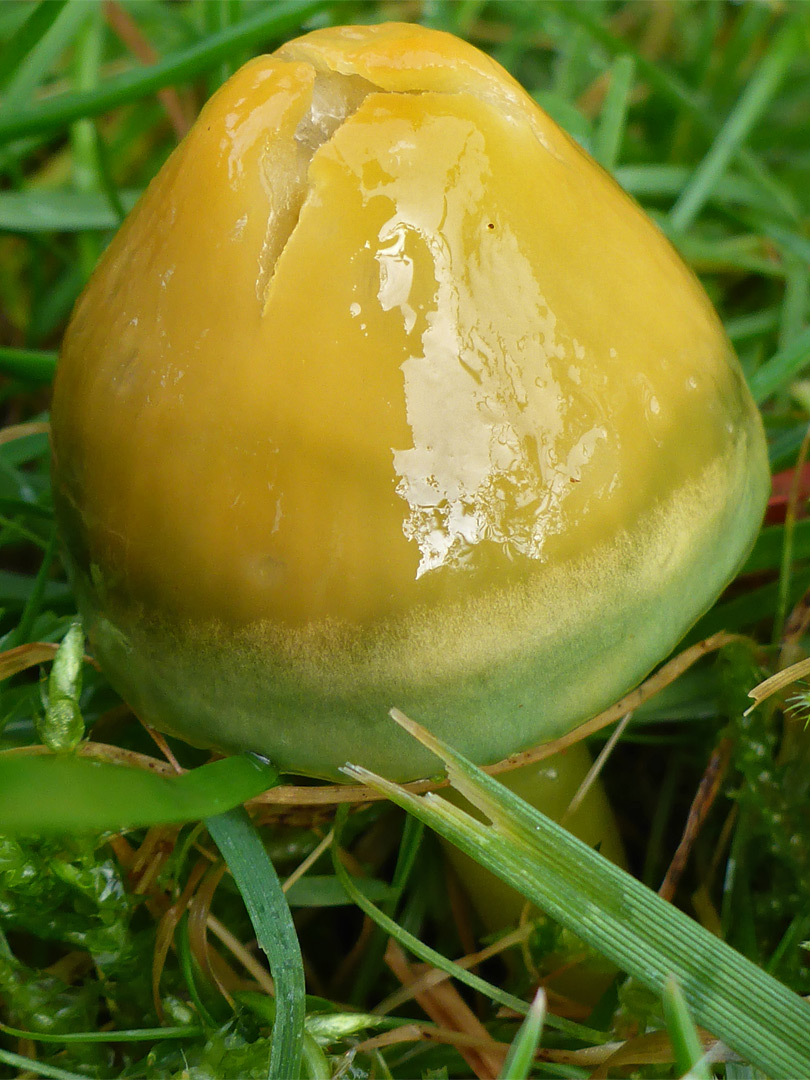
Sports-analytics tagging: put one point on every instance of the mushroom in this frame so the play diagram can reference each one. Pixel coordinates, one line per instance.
(385, 393)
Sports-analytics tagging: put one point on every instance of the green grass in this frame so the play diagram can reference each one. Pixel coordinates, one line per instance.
(135, 954)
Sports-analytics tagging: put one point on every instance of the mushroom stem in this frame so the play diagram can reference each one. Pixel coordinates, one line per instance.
(549, 786)
(552, 786)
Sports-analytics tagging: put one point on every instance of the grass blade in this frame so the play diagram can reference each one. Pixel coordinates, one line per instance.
(524, 1045)
(781, 368)
(612, 122)
(431, 956)
(407, 940)
(614, 913)
(668, 85)
(255, 875)
(267, 21)
(29, 1067)
(31, 365)
(683, 1033)
(61, 211)
(680, 95)
(668, 181)
(155, 1034)
(767, 551)
(796, 300)
(752, 103)
(33, 68)
(753, 325)
(35, 598)
(36, 25)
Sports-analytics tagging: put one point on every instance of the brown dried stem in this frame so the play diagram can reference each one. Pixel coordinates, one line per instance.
(702, 803)
(127, 30)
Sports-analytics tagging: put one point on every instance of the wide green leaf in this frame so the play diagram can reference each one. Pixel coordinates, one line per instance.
(47, 794)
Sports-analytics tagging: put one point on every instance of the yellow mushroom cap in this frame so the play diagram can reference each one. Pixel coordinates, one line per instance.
(386, 394)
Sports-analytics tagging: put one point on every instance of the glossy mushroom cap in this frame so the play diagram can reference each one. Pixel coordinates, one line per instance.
(386, 394)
